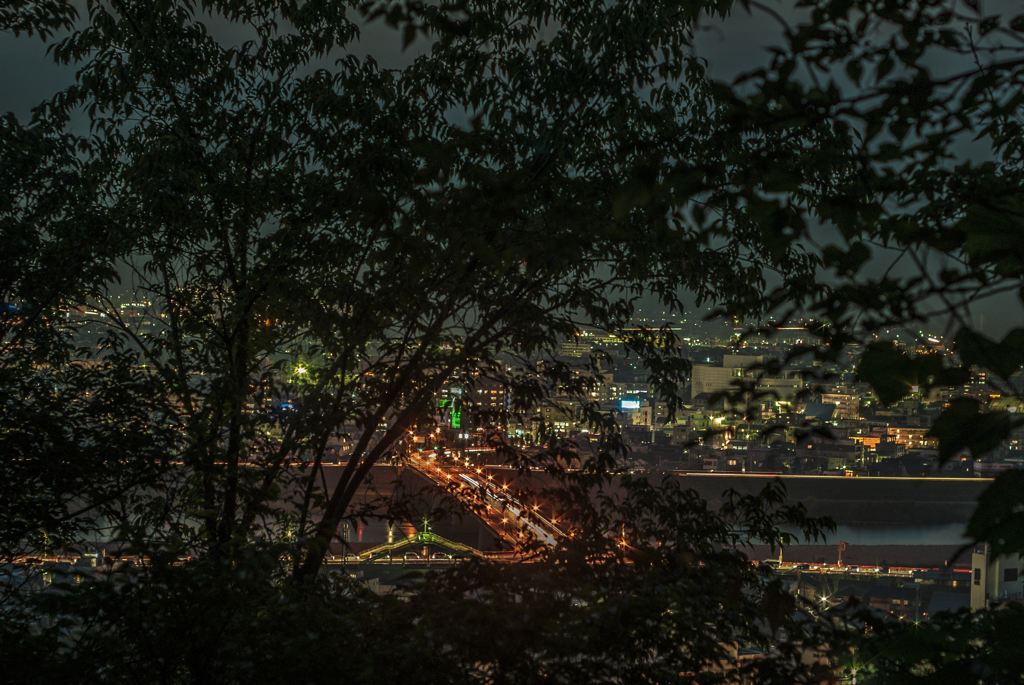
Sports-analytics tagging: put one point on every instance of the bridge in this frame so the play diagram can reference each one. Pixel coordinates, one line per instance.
(512, 520)
(422, 539)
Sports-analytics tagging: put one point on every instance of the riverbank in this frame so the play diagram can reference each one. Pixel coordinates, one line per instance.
(914, 556)
(859, 501)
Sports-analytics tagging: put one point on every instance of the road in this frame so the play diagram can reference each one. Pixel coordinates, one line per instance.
(516, 522)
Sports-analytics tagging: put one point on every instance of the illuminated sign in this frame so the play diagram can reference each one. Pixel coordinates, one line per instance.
(630, 404)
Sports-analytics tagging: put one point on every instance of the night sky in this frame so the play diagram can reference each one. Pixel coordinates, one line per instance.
(731, 47)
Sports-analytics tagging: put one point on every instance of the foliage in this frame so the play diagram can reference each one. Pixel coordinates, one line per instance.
(397, 228)
(293, 221)
(281, 202)
(926, 98)
(579, 614)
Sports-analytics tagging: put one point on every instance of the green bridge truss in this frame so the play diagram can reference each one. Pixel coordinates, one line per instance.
(419, 540)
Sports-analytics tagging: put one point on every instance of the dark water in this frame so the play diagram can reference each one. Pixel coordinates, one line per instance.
(386, 489)
(943, 534)
(389, 482)
(384, 492)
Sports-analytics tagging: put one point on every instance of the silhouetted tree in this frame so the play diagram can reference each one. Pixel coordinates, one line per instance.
(302, 222)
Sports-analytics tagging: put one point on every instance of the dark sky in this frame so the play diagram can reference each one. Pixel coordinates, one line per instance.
(28, 75)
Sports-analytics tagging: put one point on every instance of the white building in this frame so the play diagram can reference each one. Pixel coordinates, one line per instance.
(994, 579)
(712, 379)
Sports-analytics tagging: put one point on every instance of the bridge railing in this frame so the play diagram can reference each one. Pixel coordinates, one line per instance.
(423, 538)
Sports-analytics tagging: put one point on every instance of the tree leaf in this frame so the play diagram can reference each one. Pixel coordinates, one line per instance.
(893, 374)
(963, 425)
(1003, 358)
(999, 519)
